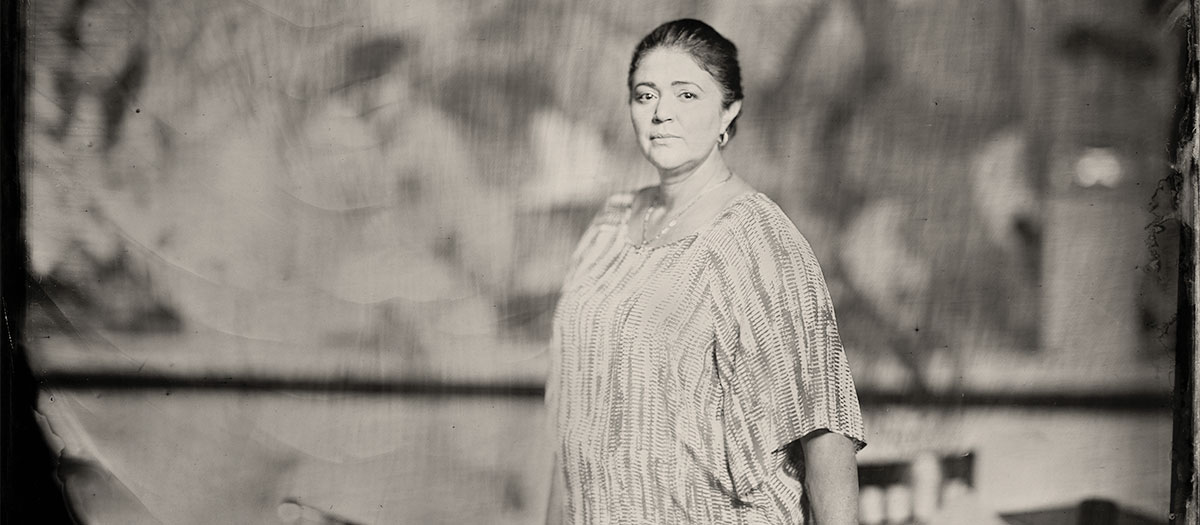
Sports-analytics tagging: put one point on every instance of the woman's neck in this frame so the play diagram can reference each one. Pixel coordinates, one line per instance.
(678, 187)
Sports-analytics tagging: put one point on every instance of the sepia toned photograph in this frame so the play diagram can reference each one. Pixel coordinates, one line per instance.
(334, 262)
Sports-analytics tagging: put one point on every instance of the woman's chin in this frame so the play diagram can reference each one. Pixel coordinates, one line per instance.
(666, 163)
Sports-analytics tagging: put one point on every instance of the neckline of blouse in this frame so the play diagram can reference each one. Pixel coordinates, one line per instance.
(639, 248)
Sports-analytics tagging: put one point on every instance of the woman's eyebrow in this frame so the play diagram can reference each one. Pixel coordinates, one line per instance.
(652, 85)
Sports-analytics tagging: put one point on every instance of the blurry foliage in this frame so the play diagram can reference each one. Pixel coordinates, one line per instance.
(395, 177)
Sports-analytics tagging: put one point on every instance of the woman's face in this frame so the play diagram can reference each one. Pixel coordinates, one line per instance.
(676, 110)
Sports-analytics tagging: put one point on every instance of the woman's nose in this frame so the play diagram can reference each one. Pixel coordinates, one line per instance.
(662, 113)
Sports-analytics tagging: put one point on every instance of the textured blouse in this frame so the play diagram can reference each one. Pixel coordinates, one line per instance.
(681, 372)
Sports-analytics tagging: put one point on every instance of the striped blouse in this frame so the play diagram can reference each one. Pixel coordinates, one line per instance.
(681, 372)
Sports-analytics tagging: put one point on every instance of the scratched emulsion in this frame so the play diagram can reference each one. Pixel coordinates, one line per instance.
(337, 191)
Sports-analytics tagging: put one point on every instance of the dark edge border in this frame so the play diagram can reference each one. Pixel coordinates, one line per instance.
(1183, 439)
(1183, 446)
(29, 489)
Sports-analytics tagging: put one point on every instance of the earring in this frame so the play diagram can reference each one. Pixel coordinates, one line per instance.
(723, 138)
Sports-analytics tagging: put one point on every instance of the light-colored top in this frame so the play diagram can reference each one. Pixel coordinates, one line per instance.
(681, 372)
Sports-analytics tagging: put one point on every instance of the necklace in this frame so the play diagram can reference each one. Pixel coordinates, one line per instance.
(671, 224)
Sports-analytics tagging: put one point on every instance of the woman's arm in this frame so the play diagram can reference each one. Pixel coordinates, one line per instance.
(831, 477)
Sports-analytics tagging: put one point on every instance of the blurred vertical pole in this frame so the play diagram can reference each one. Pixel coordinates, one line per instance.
(1097, 512)
(29, 492)
(1185, 492)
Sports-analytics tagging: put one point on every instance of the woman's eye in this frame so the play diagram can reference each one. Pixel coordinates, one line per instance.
(643, 97)
(687, 95)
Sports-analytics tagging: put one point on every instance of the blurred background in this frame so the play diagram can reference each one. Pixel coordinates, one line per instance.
(295, 261)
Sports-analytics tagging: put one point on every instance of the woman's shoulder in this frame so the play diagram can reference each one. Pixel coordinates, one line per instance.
(753, 224)
(754, 212)
(614, 209)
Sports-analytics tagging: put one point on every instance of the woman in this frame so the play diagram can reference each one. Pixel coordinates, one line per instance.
(698, 376)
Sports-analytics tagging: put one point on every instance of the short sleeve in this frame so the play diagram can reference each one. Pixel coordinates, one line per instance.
(783, 371)
(605, 222)
(553, 383)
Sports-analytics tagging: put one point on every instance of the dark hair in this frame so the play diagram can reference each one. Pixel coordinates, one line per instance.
(714, 53)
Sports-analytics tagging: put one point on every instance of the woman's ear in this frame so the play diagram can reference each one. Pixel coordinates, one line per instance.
(730, 113)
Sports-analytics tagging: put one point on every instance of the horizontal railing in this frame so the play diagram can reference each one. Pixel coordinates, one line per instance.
(1137, 401)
